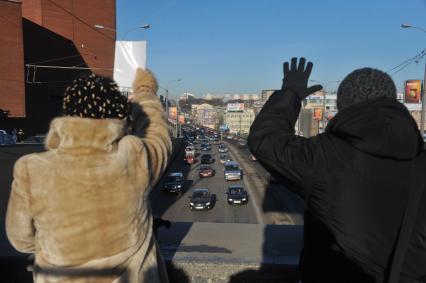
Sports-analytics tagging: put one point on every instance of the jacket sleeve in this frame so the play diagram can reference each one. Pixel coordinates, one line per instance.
(150, 124)
(19, 223)
(290, 158)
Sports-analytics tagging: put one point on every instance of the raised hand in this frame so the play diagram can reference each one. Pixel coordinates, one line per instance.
(296, 78)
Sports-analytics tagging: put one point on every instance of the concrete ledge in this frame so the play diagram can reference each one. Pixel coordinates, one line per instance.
(228, 252)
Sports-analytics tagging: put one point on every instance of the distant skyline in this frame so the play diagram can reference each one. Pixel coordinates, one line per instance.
(238, 46)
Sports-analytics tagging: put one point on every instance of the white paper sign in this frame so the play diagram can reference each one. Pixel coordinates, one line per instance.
(129, 55)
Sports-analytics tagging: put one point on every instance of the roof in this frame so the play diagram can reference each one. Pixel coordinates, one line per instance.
(232, 163)
(235, 186)
(176, 174)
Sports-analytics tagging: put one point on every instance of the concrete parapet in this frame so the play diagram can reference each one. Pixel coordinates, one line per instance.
(230, 252)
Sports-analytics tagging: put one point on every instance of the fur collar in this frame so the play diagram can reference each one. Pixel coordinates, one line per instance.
(84, 135)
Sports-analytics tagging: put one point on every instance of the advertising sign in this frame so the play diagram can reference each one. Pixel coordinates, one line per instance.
(412, 90)
(173, 113)
(235, 107)
(181, 119)
(318, 114)
(330, 115)
(129, 55)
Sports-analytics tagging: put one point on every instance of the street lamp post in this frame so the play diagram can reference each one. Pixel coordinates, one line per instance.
(422, 116)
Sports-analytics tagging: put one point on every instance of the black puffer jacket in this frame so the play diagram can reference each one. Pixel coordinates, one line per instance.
(355, 179)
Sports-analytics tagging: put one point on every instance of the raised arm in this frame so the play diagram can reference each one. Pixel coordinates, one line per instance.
(149, 122)
(272, 140)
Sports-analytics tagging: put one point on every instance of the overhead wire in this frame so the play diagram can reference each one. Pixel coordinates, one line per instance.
(398, 68)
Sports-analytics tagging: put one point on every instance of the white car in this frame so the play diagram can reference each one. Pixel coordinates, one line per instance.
(232, 171)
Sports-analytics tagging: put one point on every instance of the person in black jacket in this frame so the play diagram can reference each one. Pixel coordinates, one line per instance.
(355, 177)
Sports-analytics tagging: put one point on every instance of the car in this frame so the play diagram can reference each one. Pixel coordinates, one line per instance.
(6, 139)
(206, 171)
(189, 150)
(252, 157)
(189, 159)
(207, 159)
(236, 195)
(232, 171)
(37, 139)
(222, 149)
(201, 199)
(216, 142)
(242, 143)
(229, 137)
(224, 158)
(173, 183)
(206, 147)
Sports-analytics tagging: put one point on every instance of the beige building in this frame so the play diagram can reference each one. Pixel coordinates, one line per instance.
(205, 115)
(239, 121)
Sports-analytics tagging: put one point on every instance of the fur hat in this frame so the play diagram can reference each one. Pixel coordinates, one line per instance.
(95, 97)
(364, 84)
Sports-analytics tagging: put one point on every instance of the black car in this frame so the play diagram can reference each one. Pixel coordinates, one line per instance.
(206, 147)
(201, 199)
(173, 183)
(236, 195)
(207, 159)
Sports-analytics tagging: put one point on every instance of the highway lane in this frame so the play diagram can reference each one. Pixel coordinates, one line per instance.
(278, 204)
(176, 207)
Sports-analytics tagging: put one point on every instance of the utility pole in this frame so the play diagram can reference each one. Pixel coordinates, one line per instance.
(422, 115)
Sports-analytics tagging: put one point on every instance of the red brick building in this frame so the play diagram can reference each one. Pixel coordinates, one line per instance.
(45, 44)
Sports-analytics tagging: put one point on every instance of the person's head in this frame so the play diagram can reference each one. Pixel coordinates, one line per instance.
(95, 97)
(364, 84)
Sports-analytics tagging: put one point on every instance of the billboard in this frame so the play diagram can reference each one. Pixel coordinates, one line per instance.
(181, 119)
(235, 107)
(412, 91)
(318, 114)
(172, 113)
(129, 55)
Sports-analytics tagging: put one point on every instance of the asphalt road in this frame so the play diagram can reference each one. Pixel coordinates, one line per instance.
(176, 207)
(277, 204)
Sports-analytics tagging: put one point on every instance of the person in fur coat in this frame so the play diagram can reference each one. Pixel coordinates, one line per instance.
(82, 206)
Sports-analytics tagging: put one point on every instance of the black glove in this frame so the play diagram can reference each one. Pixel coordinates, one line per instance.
(296, 78)
(138, 120)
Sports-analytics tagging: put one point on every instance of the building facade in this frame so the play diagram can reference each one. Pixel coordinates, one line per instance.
(205, 115)
(239, 122)
(265, 94)
(60, 43)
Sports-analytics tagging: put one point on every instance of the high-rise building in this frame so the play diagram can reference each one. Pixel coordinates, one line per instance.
(265, 94)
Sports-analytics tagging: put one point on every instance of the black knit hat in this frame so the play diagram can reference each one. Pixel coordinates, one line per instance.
(95, 97)
(363, 84)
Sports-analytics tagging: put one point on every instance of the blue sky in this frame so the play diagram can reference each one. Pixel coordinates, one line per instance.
(238, 46)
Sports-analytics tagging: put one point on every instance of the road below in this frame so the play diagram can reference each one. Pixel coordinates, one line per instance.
(176, 207)
(268, 203)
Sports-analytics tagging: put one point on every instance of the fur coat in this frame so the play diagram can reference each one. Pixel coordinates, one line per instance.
(82, 206)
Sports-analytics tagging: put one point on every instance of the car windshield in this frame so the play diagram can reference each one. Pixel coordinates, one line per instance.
(236, 191)
(202, 168)
(207, 156)
(173, 179)
(200, 194)
(231, 167)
